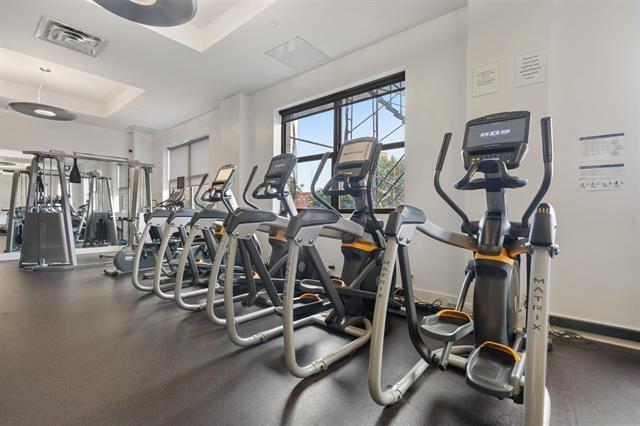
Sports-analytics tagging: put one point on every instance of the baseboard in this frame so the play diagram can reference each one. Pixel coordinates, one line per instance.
(560, 321)
(596, 328)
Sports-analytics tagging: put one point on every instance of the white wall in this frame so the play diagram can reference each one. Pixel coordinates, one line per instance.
(592, 88)
(21, 132)
(433, 57)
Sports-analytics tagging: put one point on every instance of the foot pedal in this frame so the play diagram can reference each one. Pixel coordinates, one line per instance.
(447, 325)
(307, 304)
(489, 369)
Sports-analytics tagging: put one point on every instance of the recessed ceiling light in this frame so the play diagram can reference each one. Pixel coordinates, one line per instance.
(274, 24)
(298, 54)
(156, 13)
(45, 112)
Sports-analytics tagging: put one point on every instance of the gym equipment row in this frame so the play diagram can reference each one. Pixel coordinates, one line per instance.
(216, 255)
(51, 226)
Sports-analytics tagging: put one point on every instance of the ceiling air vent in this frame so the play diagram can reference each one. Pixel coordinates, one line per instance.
(69, 37)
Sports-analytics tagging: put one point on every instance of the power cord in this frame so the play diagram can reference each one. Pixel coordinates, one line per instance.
(425, 308)
(564, 337)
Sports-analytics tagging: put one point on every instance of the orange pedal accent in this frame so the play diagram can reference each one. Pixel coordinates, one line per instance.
(279, 235)
(502, 348)
(450, 313)
(361, 245)
(338, 283)
(310, 296)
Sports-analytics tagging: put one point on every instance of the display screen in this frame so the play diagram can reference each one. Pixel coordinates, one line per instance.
(180, 182)
(223, 174)
(508, 131)
(358, 152)
(277, 166)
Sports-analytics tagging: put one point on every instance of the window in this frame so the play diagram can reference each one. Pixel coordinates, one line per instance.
(376, 109)
(189, 160)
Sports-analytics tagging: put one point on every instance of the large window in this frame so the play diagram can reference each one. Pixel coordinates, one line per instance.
(189, 160)
(376, 109)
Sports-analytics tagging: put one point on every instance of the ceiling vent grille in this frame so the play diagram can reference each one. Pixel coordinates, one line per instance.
(67, 36)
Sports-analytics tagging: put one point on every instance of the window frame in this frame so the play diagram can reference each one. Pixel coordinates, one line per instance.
(337, 100)
(192, 187)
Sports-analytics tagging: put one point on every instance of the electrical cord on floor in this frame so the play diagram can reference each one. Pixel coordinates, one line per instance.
(564, 337)
(425, 308)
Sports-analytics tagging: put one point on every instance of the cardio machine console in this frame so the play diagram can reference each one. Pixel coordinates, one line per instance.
(502, 136)
(280, 169)
(356, 158)
(222, 177)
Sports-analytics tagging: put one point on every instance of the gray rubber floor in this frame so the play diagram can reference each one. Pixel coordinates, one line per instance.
(77, 347)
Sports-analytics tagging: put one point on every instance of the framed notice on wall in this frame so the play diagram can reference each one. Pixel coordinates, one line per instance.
(485, 80)
(601, 162)
(531, 68)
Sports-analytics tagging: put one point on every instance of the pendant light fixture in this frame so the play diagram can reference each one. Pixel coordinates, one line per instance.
(156, 13)
(40, 110)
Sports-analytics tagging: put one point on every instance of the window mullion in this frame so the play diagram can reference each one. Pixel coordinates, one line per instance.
(337, 140)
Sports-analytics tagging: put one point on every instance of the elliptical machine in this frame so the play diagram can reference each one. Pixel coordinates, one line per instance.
(147, 250)
(352, 297)
(209, 223)
(497, 363)
(257, 285)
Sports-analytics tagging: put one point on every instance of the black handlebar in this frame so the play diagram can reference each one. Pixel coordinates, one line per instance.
(443, 151)
(316, 176)
(547, 157)
(247, 186)
(547, 139)
(489, 166)
(466, 225)
(197, 198)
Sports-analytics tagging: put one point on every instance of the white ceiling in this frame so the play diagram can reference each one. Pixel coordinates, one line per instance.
(65, 87)
(179, 82)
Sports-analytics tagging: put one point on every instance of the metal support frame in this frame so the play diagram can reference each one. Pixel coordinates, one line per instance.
(362, 336)
(11, 214)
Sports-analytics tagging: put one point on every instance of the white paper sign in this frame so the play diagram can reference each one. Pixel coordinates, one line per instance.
(531, 68)
(601, 162)
(485, 80)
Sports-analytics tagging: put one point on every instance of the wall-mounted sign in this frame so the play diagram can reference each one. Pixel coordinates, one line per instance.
(531, 68)
(485, 80)
(601, 162)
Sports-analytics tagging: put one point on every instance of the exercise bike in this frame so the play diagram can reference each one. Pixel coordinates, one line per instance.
(504, 361)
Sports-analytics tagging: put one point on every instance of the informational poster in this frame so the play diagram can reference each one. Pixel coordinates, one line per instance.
(485, 80)
(531, 68)
(601, 162)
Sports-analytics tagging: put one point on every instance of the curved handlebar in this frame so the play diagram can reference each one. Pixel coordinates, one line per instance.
(493, 166)
(198, 198)
(443, 151)
(547, 139)
(247, 186)
(316, 176)
(547, 156)
(436, 182)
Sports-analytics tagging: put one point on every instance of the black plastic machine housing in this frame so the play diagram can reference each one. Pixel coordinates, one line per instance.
(504, 136)
(275, 180)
